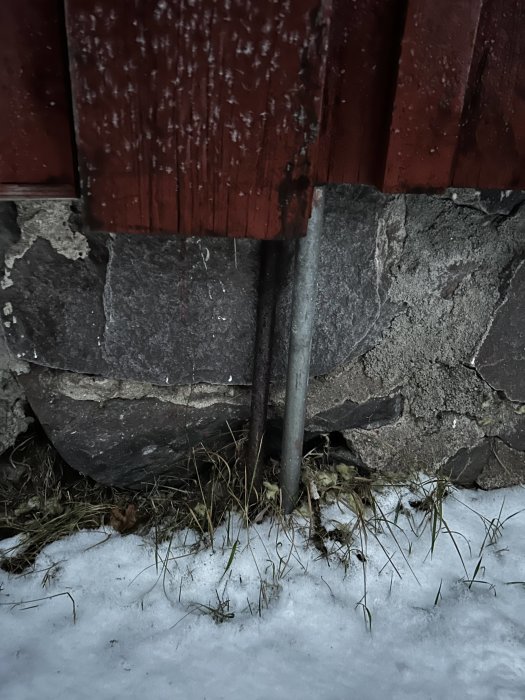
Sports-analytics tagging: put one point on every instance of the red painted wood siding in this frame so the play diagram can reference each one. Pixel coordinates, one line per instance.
(218, 116)
(459, 110)
(491, 151)
(437, 50)
(36, 154)
(361, 72)
(198, 117)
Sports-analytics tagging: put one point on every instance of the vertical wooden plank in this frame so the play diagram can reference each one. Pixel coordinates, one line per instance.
(436, 55)
(491, 152)
(36, 156)
(365, 38)
(197, 116)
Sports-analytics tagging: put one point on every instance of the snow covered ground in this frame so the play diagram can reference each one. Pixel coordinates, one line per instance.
(269, 617)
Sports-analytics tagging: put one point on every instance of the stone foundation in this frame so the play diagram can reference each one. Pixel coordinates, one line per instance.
(135, 347)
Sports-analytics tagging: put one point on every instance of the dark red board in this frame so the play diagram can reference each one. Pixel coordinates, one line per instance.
(197, 117)
(491, 152)
(36, 158)
(437, 49)
(363, 53)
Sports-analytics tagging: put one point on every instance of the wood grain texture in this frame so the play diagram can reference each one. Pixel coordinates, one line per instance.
(35, 114)
(59, 191)
(363, 53)
(491, 151)
(197, 116)
(437, 48)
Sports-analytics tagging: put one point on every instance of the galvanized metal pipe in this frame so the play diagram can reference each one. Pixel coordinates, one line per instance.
(301, 330)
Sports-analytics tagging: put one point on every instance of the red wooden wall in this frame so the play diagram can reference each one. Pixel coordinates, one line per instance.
(459, 110)
(491, 148)
(198, 116)
(36, 134)
(433, 75)
(363, 55)
(218, 116)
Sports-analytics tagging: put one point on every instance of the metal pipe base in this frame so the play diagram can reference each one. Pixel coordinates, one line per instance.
(301, 331)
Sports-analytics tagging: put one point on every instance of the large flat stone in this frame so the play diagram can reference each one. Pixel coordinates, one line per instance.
(180, 311)
(490, 464)
(52, 312)
(127, 433)
(501, 357)
(359, 239)
(170, 311)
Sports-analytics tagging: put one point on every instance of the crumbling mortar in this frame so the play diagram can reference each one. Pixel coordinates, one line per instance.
(495, 311)
(40, 219)
(95, 388)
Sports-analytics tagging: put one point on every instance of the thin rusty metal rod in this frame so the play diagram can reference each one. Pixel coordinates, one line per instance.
(271, 252)
(301, 331)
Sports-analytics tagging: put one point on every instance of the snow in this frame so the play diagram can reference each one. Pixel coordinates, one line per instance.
(143, 629)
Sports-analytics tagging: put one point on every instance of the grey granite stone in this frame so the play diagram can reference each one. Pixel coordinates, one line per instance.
(448, 270)
(466, 466)
(501, 357)
(9, 233)
(495, 203)
(360, 237)
(416, 353)
(52, 312)
(505, 467)
(175, 311)
(180, 310)
(125, 433)
(14, 418)
(490, 464)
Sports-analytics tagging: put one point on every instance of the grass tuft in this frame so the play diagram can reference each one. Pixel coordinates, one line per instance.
(341, 510)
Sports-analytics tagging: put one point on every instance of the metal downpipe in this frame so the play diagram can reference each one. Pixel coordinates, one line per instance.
(271, 254)
(301, 330)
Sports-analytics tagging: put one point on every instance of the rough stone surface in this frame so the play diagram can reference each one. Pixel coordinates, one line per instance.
(491, 464)
(449, 269)
(14, 419)
(495, 203)
(419, 299)
(375, 413)
(9, 233)
(126, 433)
(505, 467)
(13, 406)
(180, 311)
(501, 357)
(53, 311)
(362, 229)
(174, 311)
